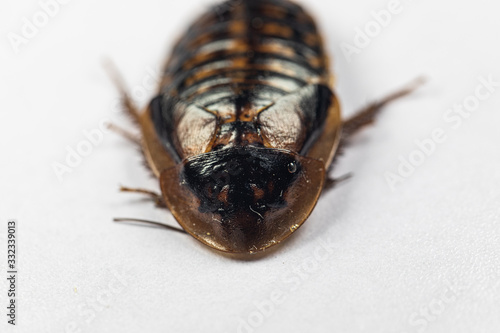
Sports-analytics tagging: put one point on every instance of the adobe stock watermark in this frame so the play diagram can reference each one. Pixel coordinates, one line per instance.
(92, 306)
(420, 320)
(363, 36)
(93, 138)
(32, 25)
(453, 118)
(291, 282)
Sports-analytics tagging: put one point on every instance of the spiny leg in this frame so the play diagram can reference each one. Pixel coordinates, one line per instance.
(331, 182)
(367, 115)
(157, 198)
(130, 109)
(127, 102)
(136, 141)
(361, 119)
(126, 134)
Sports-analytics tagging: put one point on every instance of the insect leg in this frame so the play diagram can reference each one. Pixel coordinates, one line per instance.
(130, 109)
(331, 182)
(367, 115)
(361, 119)
(157, 198)
(127, 102)
(126, 134)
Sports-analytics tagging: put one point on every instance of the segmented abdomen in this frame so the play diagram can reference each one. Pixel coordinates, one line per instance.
(246, 54)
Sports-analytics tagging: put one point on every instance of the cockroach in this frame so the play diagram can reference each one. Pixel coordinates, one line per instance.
(245, 125)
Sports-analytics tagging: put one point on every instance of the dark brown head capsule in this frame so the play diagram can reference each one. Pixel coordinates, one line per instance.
(243, 199)
(244, 125)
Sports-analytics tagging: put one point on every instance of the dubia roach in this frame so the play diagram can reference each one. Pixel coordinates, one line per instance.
(245, 125)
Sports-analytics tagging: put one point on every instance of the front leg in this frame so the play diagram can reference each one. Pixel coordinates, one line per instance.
(331, 182)
(157, 198)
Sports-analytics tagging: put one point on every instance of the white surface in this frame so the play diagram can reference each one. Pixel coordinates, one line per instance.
(422, 258)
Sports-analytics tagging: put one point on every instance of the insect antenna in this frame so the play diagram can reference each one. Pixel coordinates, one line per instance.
(158, 224)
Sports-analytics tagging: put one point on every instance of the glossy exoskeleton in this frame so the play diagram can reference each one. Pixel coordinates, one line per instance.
(245, 125)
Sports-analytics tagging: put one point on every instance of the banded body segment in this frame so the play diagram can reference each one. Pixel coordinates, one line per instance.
(242, 62)
(252, 40)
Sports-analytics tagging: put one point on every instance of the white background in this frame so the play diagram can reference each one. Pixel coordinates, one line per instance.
(422, 257)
